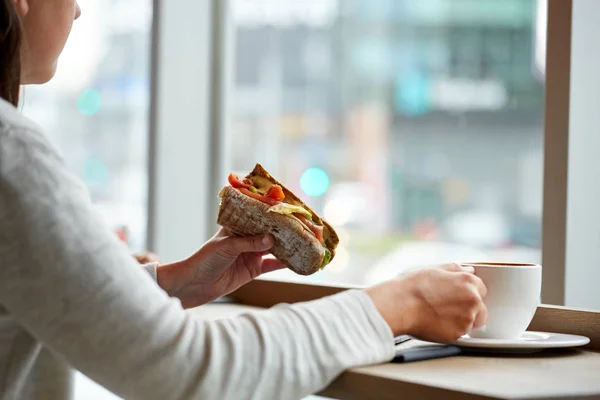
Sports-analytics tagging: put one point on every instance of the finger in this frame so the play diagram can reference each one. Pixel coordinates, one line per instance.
(236, 245)
(452, 267)
(270, 264)
(481, 318)
(480, 286)
(145, 258)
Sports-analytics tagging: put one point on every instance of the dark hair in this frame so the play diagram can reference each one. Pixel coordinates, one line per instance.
(10, 54)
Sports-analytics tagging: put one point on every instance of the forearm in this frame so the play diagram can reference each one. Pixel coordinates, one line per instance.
(398, 306)
(169, 277)
(292, 351)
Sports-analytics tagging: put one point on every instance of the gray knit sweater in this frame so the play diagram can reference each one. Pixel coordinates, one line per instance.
(71, 296)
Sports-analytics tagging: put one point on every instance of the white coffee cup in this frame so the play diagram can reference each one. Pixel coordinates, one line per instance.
(513, 295)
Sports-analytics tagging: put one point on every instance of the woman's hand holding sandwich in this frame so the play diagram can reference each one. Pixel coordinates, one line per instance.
(222, 265)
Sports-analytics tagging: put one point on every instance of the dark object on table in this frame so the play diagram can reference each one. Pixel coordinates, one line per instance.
(401, 339)
(422, 353)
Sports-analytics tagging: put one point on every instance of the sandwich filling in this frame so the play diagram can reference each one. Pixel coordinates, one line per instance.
(272, 194)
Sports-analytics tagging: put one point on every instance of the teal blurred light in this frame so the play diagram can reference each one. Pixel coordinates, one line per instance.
(95, 172)
(412, 95)
(89, 102)
(314, 182)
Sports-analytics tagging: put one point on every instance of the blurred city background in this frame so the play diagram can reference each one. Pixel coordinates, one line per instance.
(414, 127)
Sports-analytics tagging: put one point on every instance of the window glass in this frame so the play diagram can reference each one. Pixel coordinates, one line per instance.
(422, 121)
(96, 109)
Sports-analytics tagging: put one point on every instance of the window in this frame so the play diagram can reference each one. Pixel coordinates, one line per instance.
(96, 109)
(415, 128)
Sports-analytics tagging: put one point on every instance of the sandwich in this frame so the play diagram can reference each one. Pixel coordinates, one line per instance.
(258, 204)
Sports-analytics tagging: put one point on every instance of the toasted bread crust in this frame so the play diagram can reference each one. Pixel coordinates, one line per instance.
(332, 241)
(294, 245)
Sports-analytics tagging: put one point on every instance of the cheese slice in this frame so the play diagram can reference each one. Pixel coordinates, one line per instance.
(289, 209)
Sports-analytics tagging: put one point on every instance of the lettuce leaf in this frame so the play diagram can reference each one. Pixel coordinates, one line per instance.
(326, 258)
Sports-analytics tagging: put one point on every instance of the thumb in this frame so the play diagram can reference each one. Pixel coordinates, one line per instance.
(235, 245)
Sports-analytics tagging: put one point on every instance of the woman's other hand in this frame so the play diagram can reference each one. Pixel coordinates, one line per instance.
(146, 257)
(225, 263)
(436, 304)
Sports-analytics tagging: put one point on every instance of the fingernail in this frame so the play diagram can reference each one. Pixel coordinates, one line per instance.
(267, 240)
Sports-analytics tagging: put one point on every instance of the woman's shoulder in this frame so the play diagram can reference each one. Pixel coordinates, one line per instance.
(12, 119)
(30, 165)
(19, 134)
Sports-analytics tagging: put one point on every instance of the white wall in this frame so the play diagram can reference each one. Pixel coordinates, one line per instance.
(583, 202)
(180, 146)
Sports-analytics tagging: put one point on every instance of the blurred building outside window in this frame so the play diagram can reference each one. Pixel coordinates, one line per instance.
(415, 128)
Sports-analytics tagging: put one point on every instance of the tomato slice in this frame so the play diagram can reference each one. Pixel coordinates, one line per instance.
(275, 192)
(238, 182)
(316, 229)
(260, 197)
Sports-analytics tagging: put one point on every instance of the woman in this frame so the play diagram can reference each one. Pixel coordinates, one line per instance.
(72, 296)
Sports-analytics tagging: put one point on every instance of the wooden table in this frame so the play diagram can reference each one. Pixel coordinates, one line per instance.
(557, 374)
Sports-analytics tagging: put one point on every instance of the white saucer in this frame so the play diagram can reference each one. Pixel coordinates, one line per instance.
(529, 342)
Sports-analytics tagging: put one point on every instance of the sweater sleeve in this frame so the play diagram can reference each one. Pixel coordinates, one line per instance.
(150, 269)
(69, 281)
